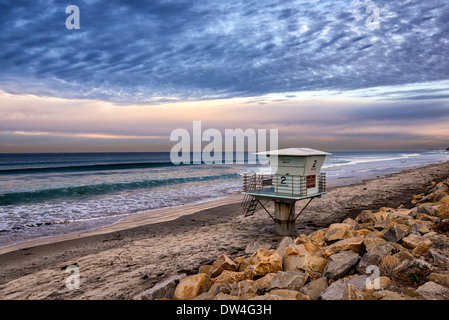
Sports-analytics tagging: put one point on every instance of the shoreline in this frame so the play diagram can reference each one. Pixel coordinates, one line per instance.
(128, 257)
(166, 214)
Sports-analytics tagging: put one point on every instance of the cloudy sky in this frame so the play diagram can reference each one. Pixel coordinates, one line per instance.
(321, 72)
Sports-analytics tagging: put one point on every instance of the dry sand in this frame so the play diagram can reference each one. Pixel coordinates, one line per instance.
(122, 260)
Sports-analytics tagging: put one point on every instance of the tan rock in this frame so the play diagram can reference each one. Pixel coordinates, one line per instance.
(205, 268)
(354, 244)
(305, 262)
(267, 263)
(412, 241)
(379, 283)
(387, 295)
(338, 231)
(238, 261)
(351, 293)
(224, 296)
(247, 296)
(191, 287)
(385, 224)
(372, 242)
(289, 294)
(440, 278)
(317, 237)
(421, 249)
(366, 216)
(269, 297)
(222, 263)
(360, 232)
(243, 287)
(234, 276)
(262, 284)
(314, 288)
(310, 247)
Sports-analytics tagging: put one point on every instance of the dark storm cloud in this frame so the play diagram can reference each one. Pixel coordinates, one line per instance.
(136, 51)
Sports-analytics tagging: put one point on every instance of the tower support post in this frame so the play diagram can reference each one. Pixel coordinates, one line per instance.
(284, 218)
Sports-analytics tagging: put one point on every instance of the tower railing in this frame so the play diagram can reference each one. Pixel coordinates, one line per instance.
(288, 185)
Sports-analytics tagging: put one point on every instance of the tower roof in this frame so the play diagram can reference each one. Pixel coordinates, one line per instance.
(298, 152)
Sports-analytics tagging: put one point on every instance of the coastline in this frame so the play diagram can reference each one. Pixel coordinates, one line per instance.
(128, 257)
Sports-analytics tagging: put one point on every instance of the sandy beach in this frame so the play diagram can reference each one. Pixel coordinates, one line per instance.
(129, 257)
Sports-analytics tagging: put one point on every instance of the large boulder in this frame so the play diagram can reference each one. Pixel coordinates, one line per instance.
(222, 263)
(354, 244)
(338, 231)
(412, 241)
(314, 288)
(191, 287)
(396, 233)
(340, 264)
(289, 280)
(163, 289)
(266, 261)
(336, 289)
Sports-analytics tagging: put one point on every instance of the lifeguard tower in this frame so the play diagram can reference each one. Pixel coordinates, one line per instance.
(295, 176)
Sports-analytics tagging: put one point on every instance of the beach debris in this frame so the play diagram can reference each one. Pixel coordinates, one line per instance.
(386, 254)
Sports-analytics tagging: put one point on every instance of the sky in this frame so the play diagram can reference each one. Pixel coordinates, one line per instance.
(327, 74)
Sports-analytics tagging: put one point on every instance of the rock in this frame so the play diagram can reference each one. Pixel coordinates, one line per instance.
(366, 216)
(354, 244)
(191, 287)
(433, 291)
(338, 231)
(384, 249)
(426, 208)
(263, 284)
(371, 242)
(289, 280)
(205, 268)
(247, 296)
(421, 249)
(412, 241)
(395, 233)
(335, 290)
(256, 245)
(438, 257)
(289, 294)
(205, 296)
(218, 287)
(379, 283)
(387, 295)
(164, 289)
(340, 264)
(234, 276)
(317, 237)
(351, 293)
(243, 287)
(266, 261)
(285, 243)
(306, 262)
(268, 297)
(222, 263)
(224, 296)
(385, 224)
(314, 288)
(440, 278)
(368, 259)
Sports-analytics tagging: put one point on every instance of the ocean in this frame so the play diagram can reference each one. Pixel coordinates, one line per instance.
(44, 195)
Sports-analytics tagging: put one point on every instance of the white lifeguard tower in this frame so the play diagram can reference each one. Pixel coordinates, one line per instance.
(295, 176)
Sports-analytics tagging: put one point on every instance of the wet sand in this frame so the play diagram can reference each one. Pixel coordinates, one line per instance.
(124, 259)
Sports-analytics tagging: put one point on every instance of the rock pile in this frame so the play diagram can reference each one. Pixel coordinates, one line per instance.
(390, 254)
